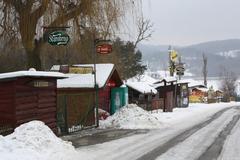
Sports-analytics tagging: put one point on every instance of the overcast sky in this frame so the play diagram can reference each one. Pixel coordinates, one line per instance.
(185, 22)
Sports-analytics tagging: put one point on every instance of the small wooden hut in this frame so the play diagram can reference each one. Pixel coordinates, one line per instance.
(167, 92)
(76, 95)
(141, 94)
(27, 96)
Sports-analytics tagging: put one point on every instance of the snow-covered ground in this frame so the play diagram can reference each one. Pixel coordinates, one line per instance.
(35, 141)
(134, 117)
(131, 117)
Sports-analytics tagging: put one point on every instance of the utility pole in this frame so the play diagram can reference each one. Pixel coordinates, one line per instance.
(171, 63)
(180, 64)
(95, 79)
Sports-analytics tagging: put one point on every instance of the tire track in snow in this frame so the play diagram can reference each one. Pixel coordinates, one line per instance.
(215, 149)
(152, 155)
(194, 146)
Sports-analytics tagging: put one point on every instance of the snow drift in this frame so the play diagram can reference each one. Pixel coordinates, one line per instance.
(131, 117)
(35, 141)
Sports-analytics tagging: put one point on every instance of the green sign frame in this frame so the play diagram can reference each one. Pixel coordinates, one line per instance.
(58, 38)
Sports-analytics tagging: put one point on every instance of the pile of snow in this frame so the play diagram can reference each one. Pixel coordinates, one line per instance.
(134, 117)
(131, 117)
(35, 141)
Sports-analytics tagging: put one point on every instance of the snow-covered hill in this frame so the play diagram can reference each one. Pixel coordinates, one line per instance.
(220, 54)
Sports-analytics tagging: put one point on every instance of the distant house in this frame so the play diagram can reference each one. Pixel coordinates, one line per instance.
(197, 91)
(76, 94)
(152, 94)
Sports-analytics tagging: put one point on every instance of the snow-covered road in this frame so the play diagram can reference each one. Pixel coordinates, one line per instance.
(199, 132)
(179, 142)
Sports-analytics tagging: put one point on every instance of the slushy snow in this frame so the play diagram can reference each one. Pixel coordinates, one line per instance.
(35, 141)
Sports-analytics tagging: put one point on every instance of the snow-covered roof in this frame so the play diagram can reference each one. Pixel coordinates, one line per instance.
(167, 79)
(144, 78)
(182, 81)
(103, 71)
(193, 83)
(170, 79)
(31, 74)
(202, 89)
(141, 87)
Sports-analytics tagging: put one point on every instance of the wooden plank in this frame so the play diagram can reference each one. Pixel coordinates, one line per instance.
(29, 99)
(27, 112)
(48, 115)
(47, 93)
(47, 100)
(6, 108)
(7, 116)
(25, 94)
(26, 106)
(6, 95)
(47, 105)
(46, 110)
(22, 117)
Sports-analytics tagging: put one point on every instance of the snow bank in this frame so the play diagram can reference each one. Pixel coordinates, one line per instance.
(35, 141)
(134, 117)
(131, 117)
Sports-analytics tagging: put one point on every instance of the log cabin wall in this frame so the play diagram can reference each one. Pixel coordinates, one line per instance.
(36, 102)
(25, 99)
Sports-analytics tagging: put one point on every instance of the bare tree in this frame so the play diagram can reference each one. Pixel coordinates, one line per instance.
(204, 70)
(22, 20)
(144, 30)
(228, 84)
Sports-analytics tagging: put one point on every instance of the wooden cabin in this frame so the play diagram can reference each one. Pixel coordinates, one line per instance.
(141, 94)
(167, 90)
(77, 93)
(27, 96)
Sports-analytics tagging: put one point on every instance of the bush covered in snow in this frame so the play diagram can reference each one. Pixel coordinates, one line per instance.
(35, 141)
(131, 117)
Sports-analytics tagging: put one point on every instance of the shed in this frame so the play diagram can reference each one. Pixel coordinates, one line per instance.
(76, 108)
(141, 93)
(26, 96)
(167, 90)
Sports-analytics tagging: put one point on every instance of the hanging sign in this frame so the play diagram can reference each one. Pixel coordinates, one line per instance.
(174, 56)
(40, 83)
(58, 38)
(104, 48)
(81, 70)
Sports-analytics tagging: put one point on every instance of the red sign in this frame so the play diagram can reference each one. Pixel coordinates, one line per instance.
(104, 48)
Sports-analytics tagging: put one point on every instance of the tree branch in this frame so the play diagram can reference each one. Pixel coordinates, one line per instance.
(69, 15)
(144, 31)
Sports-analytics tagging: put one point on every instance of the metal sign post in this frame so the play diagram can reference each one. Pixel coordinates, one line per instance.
(101, 47)
(171, 62)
